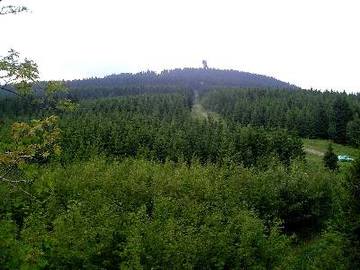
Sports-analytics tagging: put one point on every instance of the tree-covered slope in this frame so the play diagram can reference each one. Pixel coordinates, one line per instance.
(170, 80)
(309, 113)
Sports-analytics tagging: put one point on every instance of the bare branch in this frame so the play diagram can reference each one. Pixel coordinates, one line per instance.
(5, 10)
(24, 191)
(3, 179)
(9, 91)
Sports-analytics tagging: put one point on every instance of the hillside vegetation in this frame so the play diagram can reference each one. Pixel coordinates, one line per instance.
(173, 178)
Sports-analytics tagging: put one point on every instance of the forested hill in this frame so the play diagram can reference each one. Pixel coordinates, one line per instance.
(187, 77)
(168, 81)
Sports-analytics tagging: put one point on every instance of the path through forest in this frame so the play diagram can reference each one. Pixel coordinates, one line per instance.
(313, 152)
(199, 112)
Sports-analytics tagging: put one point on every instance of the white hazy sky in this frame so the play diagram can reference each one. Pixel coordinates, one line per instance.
(311, 43)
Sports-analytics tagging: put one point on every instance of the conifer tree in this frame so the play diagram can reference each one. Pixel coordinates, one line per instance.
(353, 131)
(321, 122)
(341, 116)
(330, 159)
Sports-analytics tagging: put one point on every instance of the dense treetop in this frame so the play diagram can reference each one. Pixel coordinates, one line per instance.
(309, 113)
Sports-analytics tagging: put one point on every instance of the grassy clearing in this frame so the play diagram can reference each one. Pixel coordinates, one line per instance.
(320, 146)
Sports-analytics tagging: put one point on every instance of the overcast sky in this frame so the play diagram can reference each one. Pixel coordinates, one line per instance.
(311, 43)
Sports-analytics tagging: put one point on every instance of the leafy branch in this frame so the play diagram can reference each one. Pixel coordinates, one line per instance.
(16, 75)
(37, 141)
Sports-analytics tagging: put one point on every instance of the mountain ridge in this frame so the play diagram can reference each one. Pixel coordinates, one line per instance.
(185, 77)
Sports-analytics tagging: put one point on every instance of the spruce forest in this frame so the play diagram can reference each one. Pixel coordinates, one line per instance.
(194, 168)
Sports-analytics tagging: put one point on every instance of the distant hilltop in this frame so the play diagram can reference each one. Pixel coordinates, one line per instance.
(193, 78)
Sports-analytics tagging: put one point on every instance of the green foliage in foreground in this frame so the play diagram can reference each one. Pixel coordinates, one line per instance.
(167, 191)
(139, 214)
